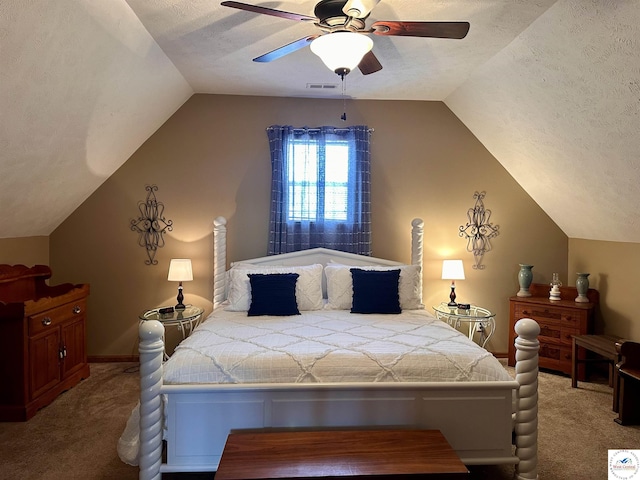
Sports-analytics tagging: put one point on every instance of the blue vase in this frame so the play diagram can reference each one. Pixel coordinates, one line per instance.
(525, 277)
(582, 286)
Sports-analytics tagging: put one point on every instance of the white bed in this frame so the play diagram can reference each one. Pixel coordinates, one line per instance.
(330, 368)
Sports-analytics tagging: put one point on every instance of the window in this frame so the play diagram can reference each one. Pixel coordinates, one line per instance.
(318, 186)
(320, 189)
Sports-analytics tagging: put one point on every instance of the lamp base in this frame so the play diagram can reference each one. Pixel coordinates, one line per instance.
(452, 297)
(180, 298)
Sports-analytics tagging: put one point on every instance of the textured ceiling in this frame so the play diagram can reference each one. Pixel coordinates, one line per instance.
(213, 46)
(551, 88)
(82, 86)
(559, 107)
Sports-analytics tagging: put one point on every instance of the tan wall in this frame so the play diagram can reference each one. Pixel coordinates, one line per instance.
(612, 267)
(27, 251)
(211, 158)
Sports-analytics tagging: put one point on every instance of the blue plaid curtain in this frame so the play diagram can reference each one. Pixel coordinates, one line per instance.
(320, 197)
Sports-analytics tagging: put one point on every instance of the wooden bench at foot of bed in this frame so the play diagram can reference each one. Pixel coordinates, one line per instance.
(361, 454)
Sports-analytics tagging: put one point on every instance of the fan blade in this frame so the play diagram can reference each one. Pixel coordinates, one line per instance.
(359, 8)
(286, 49)
(422, 29)
(369, 64)
(269, 11)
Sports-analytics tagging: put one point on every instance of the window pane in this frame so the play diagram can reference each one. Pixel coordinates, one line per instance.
(302, 178)
(337, 163)
(335, 203)
(304, 163)
(336, 181)
(302, 202)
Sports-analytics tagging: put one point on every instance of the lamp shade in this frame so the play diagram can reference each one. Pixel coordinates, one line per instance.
(180, 270)
(452, 270)
(341, 51)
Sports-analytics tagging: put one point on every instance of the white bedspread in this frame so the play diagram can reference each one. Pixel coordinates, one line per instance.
(327, 346)
(321, 346)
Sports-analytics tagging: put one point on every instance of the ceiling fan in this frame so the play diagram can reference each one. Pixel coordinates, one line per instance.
(343, 33)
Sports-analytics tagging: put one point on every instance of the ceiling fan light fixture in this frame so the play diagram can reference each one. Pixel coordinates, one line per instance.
(359, 8)
(341, 52)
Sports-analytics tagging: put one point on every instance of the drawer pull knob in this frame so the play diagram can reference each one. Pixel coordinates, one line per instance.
(46, 321)
(77, 309)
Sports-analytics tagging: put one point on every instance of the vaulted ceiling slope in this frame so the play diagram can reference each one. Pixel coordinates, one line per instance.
(550, 87)
(559, 107)
(82, 86)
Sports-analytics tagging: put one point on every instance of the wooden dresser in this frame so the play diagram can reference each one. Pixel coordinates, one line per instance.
(42, 337)
(558, 321)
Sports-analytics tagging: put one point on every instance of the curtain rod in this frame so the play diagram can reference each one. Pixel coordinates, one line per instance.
(317, 129)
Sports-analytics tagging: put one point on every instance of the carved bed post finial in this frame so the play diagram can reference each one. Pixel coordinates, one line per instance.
(526, 427)
(417, 233)
(219, 259)
(151, 352)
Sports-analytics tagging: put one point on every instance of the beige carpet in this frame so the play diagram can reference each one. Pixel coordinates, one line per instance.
(75, 437)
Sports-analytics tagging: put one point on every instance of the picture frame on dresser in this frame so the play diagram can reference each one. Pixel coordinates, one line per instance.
(559, 320)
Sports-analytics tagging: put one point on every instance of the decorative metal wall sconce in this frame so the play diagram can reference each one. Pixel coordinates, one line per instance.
(151, 224)
(479, 231)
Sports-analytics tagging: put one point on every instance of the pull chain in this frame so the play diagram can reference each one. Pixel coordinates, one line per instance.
(343, 117)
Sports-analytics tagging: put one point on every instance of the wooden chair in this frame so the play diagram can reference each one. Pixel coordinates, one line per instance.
(629, 384)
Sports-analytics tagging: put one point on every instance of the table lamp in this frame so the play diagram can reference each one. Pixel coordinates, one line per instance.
(452, 270)
(180, 271)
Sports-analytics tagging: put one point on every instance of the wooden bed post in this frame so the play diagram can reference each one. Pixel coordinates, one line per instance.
(219, 260)
(526, 427)
(151, 352)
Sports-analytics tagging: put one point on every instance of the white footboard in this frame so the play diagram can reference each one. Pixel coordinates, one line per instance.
(475, 417)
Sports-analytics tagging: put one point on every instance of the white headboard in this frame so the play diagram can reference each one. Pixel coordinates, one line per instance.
(304, 257)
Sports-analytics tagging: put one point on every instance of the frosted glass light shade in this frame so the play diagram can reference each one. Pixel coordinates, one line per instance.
(180, 270)
(341, 50)
(452, 270)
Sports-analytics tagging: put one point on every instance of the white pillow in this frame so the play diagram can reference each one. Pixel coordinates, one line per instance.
(340, 286)
(308, 285)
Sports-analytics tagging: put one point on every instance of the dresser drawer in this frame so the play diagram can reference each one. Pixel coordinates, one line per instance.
(54, 317)
(554, 333)
(545, 314)
(555, 357)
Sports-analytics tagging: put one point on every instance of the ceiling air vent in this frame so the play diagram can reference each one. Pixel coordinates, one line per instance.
(322, 86)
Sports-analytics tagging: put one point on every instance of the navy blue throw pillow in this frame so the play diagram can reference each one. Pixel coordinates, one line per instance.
(375, 291)
(273, 294)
